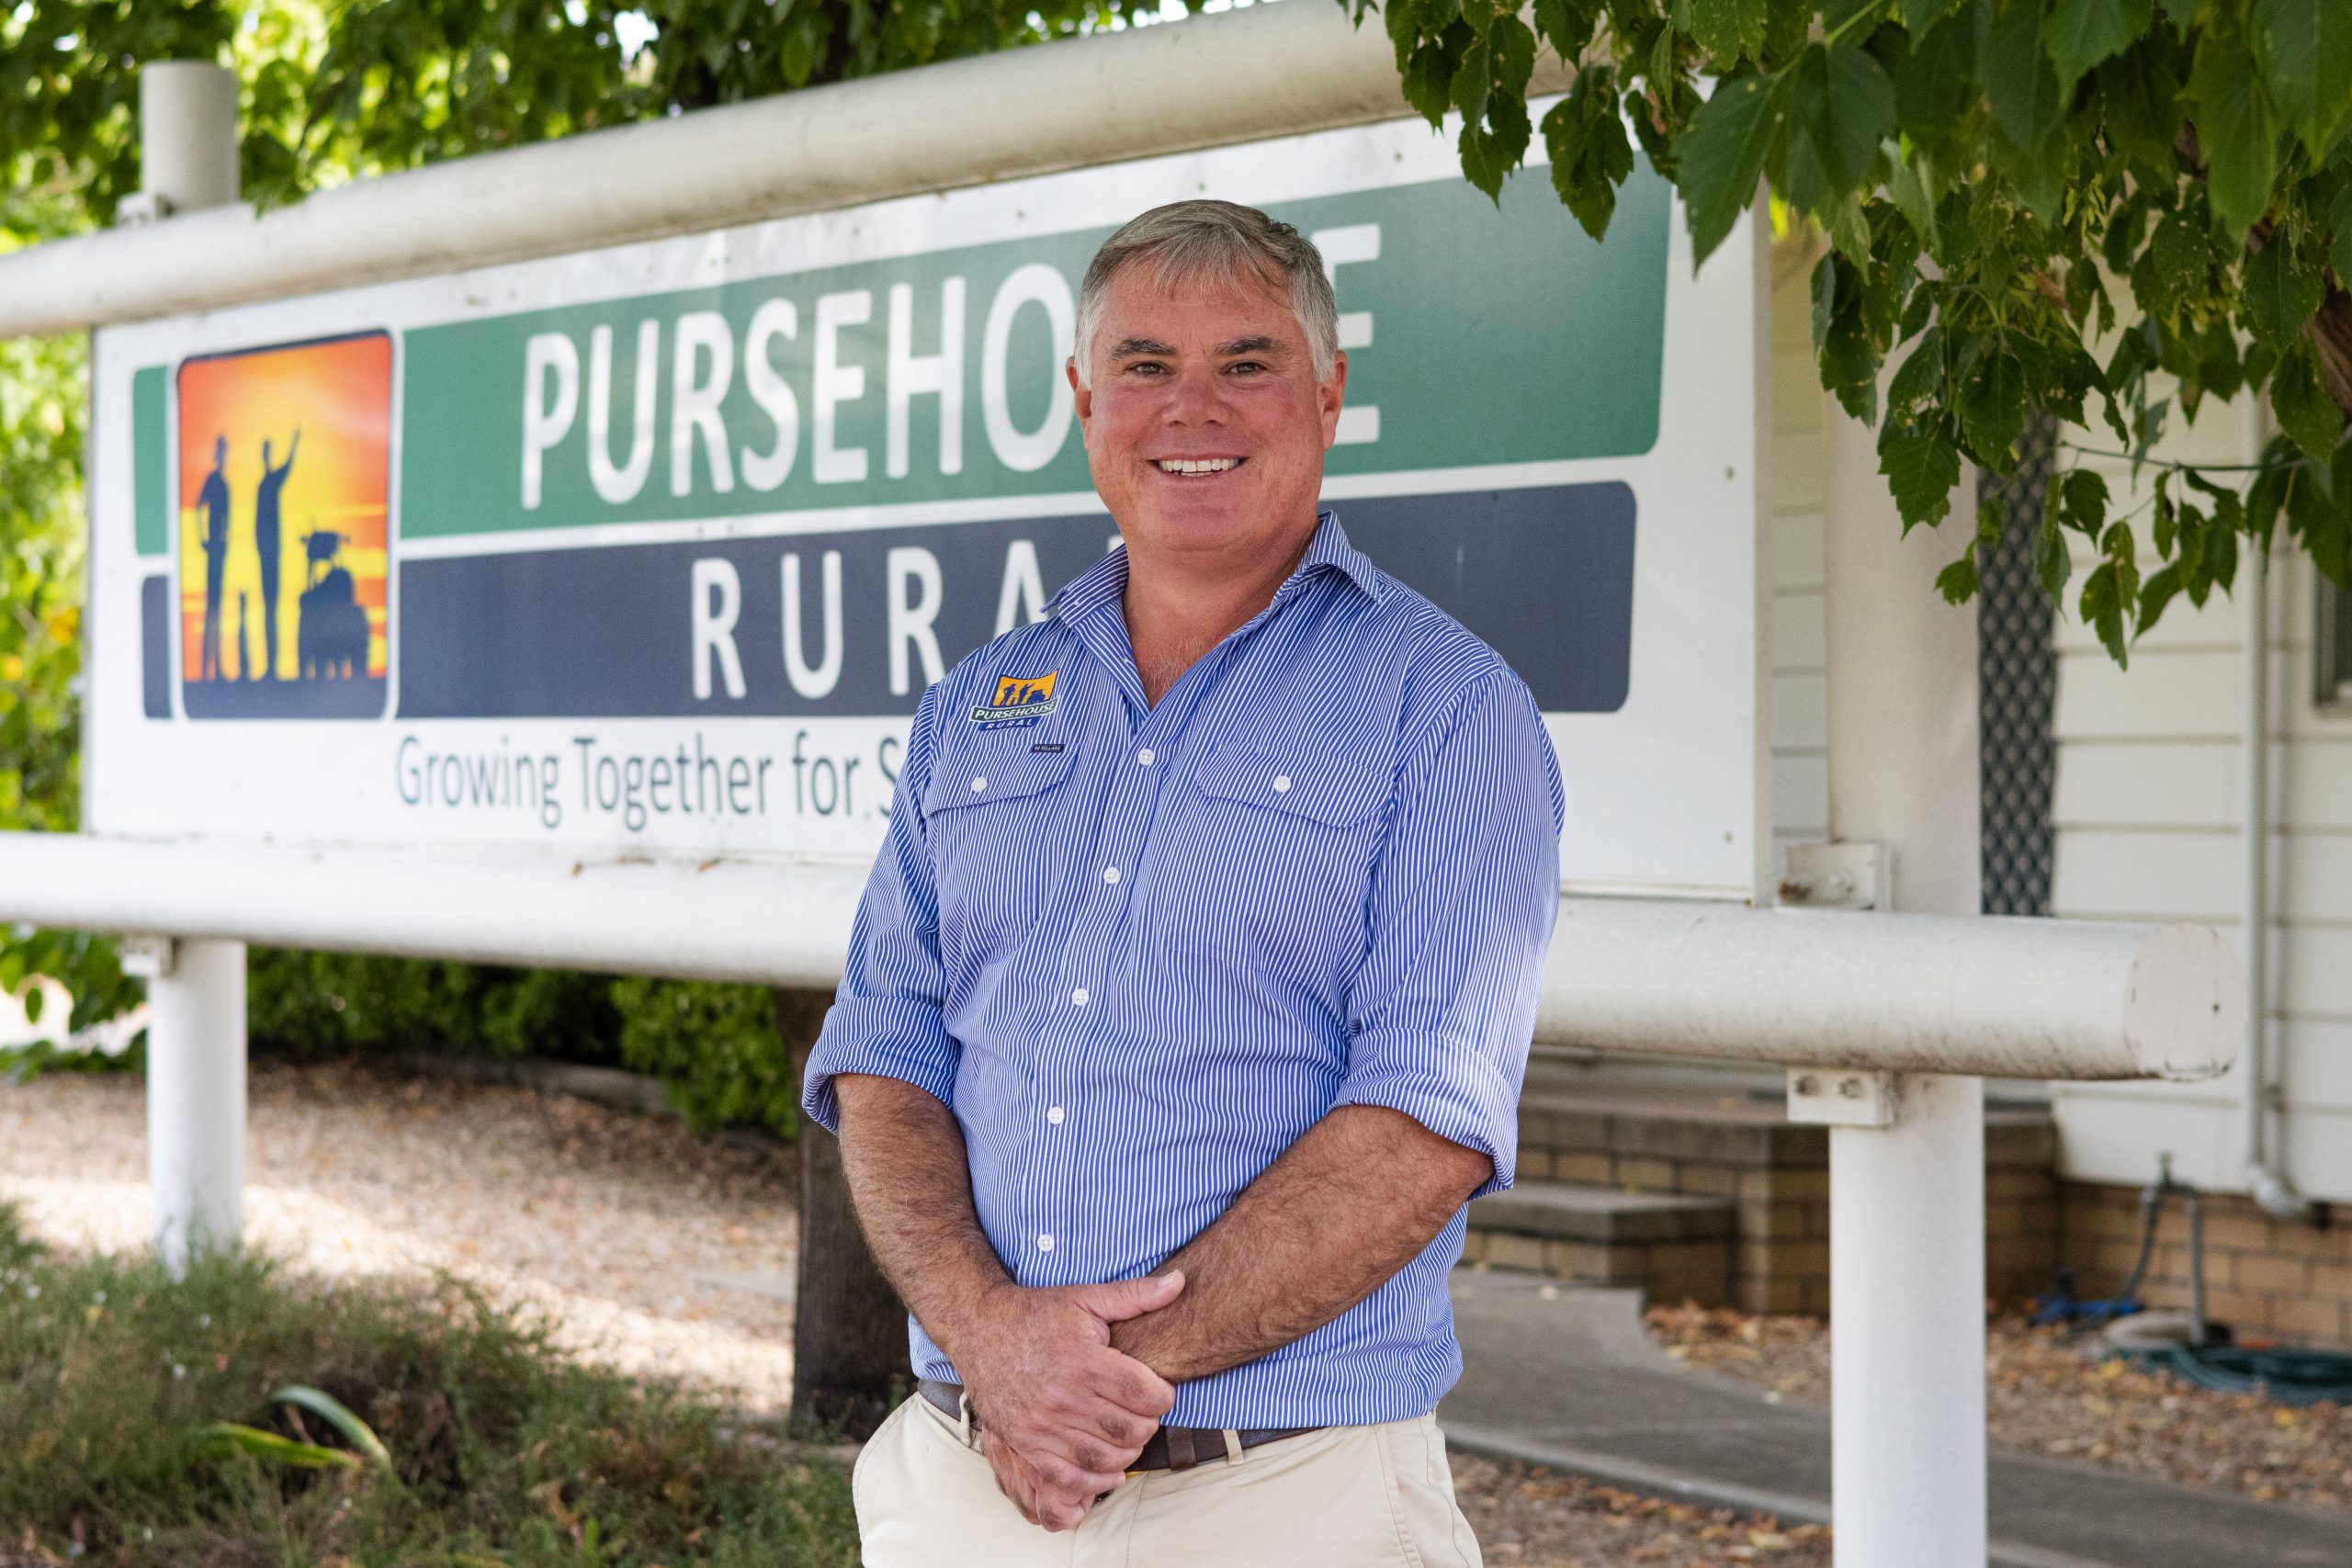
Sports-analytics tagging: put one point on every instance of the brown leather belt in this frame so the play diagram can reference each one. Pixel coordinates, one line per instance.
(1170, 1448)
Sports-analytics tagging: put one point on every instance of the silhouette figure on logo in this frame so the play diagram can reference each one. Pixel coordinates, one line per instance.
(244, 639)
(331, 635)
(273, 480)
(214, 502)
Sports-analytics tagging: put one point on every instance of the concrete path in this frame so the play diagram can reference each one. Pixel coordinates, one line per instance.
(1566, 1377)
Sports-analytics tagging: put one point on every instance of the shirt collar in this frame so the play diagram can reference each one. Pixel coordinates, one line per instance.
(1106, 580)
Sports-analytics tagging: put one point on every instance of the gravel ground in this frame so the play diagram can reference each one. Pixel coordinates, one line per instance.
(1530, 1518)
(2048, 1395)
(604, 1221)
(610, 1223)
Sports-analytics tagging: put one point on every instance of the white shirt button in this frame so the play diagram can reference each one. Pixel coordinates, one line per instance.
(1078, 998)
(1282, 784)
(1110, 874)
(1053, 1114)
(1044, 1244)
(1146, 757)
(979, 784)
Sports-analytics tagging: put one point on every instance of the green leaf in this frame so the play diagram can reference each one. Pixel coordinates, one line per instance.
(1849, 353)
(2235, 132)
(1430, 70)
(2166, 525)
(1567, 25)
(1825, 299)
(2019, 81)
(2052, 563)
(2082, 501)
(2305, 49)
(1918, 16)
(1908, 189)
(2139, 96)
(2078, 34)
(2173, 269)
(355, 1431)
(1922, 470)
(1937, 83)
(1991, 406)
(1844, 108)
(1922, 374)
(1729, 30)
(1513, 42)
(2155, 594)
(2102, 609)
(224, 1437)
(1958, 582)
(2280, 293)
(2305, 411)
(1590, 155)
(1474, 81)
(1785, 24)
(1722, 154)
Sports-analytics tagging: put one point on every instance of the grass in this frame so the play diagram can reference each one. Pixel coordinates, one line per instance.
(502, 1453)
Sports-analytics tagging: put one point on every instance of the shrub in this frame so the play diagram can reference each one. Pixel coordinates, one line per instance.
(714, 1047)
(502, 1451)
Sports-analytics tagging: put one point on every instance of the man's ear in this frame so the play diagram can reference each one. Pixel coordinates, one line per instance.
(1082, 396)
(1329, 393)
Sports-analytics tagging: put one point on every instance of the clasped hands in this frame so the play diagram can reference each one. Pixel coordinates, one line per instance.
(1062, 1414)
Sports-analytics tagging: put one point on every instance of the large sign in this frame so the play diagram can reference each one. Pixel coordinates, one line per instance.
(655, 548)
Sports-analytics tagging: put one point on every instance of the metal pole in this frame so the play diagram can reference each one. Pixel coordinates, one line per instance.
(187, 135)
(2265, 1177)
(1838, 990)
(1906, 1170)
(1906, 1331)
(195, 1099)
(196, 989)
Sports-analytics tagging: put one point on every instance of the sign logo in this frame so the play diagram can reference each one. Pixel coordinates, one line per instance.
(1019, 701)
(285, 454)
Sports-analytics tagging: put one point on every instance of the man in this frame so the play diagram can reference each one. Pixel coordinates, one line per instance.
(212, 502)
(273, 482)
(1189, 998)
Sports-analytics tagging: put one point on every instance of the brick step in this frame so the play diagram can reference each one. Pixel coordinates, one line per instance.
(1671, 1245)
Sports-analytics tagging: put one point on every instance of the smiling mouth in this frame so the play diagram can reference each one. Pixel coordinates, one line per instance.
(1195, 466)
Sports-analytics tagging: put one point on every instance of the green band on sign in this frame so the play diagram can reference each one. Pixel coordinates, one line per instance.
(150, 465)
(1475, 335)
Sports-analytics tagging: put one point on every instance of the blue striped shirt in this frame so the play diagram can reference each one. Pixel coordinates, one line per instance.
(1139, 950)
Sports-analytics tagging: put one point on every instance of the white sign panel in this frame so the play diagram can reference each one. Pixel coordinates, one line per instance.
(654, 549)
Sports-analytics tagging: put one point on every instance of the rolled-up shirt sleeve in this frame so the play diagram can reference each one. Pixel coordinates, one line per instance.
(1462, 906)
(886, 1018)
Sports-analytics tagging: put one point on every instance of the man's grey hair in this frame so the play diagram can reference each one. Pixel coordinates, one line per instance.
(1223, 244)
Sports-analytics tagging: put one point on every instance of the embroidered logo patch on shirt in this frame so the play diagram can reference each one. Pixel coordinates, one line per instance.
(1019, 701)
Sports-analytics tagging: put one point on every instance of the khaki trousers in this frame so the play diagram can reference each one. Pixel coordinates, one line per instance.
(1378, 1496)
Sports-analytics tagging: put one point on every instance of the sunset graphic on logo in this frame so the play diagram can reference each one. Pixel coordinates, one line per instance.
(283, 461)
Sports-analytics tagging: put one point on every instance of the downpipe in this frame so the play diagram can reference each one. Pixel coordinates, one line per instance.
(2264, 1182)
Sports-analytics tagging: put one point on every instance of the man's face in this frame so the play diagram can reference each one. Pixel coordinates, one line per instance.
(1200, 376)
(219, 450)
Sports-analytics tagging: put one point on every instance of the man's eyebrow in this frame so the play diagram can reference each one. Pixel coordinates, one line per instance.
(1126, 347)
(1259, 345)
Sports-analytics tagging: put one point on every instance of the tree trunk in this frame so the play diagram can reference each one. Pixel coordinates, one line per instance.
(848, 1329)
(2331, 333)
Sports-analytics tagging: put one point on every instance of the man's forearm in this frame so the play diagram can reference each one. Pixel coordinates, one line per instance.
(1355, 1199)
(910, 1178)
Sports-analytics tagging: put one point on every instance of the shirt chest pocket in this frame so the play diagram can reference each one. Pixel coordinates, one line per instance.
(1272, 864)
(997, 847)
